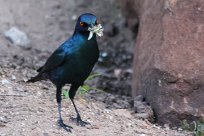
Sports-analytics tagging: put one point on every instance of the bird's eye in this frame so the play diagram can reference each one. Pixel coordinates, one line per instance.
(81, 24)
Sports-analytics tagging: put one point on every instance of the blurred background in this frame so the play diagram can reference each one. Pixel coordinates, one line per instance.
(50, 23)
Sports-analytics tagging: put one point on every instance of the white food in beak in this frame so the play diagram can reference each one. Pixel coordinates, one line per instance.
(90, 35)
(98, 29)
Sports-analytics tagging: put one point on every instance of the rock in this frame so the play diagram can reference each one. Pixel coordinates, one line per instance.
(117, 72)
(168, 61)
(103, 57)
(4, 81)
(13, 77)
(3, 119)
(74, 17)
(17, 37)
(142, 135)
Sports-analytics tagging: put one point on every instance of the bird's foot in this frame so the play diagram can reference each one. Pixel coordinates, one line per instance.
(64, 126)
(79, 121)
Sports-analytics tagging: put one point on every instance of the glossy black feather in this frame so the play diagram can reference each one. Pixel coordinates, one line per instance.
(72, 62)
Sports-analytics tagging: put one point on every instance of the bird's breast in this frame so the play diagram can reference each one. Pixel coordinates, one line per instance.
(81, 62)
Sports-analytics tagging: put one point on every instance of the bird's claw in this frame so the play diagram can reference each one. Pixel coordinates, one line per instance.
(79, 121)
(64, 126)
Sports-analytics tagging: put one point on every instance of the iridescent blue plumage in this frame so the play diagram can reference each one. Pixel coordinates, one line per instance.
(72, 62)
(78, 56)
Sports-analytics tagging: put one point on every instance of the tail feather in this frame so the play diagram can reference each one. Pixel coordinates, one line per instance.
(36, 78)
(40, 69)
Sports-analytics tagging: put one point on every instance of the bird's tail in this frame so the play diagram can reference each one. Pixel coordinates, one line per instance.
(36, 78)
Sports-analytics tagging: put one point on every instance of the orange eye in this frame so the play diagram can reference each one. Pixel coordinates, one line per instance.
(81, 24)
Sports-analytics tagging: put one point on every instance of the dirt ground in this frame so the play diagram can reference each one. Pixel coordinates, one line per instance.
(31, 109)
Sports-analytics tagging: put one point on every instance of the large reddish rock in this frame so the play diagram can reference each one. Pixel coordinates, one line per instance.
(169, 57)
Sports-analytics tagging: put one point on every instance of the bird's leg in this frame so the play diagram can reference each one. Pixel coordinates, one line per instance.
(78, 119)
(60, 121)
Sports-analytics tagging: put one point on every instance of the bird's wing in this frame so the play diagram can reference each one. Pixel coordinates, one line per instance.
(55, 60)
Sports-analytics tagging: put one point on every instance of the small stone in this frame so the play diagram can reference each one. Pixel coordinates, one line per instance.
(110, 117)
(92, 127)
(142, 135)
(117, 72)
(129, 70)
(13, 77)
(103, 56)
(167, 126)
(180, 129)
(74, 17)
(17, 37)
(3, 119)
(107, 111)
(129, 125)
(5, 81)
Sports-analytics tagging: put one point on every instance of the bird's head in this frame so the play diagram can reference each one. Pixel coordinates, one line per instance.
(87, 24)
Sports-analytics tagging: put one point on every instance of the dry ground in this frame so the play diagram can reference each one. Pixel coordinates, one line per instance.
(30, 109)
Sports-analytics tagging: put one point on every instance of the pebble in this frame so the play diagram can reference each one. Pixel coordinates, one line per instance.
(93, 127)
(17, 37)
(142, 135)
(180, 129)
(5, 81)
(110, 117)
(117, 72)
(167, 126)
(3, 119)
(74, 17)
(13, 77)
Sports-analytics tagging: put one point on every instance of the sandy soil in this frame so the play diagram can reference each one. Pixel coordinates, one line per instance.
(30, 109)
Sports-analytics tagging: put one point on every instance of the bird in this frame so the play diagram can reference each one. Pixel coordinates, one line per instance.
(72, 62)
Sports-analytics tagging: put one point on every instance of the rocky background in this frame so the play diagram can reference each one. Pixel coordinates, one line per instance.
(168, 62)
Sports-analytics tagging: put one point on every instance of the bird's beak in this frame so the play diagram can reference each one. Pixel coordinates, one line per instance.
(98, 29)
